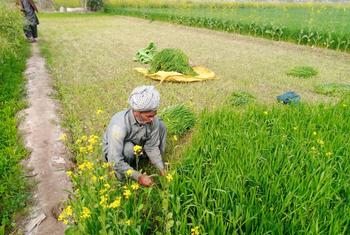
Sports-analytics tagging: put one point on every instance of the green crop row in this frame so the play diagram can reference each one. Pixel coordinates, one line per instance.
(13, 54)
(308, 26)
(282, 170)
(279, 171)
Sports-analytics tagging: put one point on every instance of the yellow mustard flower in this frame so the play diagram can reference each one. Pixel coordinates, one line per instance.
(106, 165)
(169, 177)
(102, 178)
(320, 142)
(135, 186)
(89, 148)
(115, 203)
(127, 193)
(61, 217)
(137, 150)
(93, 139)
(129, 172)
(68, 211)
(107, 186)
(103, 191)
(86, 213)
(128, 222)
(70, 173)
(63, 137)
(99, 111)
(82, 149)
(103, 201)
(89, 165)
(65, 221)
(195, 230)
(81, 166)
(84, 138)
(175, 138)
(94, 178)
(328, 154)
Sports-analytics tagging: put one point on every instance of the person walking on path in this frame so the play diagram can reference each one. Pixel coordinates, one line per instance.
(28, 9)
(134, 133)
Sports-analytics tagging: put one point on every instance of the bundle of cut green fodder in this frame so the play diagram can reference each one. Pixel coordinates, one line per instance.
(178, 119)
(171, 60)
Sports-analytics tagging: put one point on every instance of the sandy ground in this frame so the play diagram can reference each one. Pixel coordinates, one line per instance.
(48, 159)
(92, 63)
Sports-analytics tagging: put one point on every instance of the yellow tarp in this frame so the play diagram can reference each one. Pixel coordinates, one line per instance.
(203, 74)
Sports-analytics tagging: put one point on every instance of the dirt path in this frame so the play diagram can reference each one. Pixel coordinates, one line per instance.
(48, 158)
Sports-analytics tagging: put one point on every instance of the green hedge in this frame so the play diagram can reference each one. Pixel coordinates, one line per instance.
(13, 54)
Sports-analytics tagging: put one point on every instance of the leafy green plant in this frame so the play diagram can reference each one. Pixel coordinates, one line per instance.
(302, 72)
(178, 119)
(332, 89)
(171, 60)
(241, 98)
(145, 55)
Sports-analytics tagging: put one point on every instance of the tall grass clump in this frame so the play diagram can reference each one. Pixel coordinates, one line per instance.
(279, 171)
(302, 72)
(333, 89)
(13, 53)
(240, 98)
(172, 60)
(178, 119)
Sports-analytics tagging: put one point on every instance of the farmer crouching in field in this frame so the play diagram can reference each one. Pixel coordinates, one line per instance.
(131, 129)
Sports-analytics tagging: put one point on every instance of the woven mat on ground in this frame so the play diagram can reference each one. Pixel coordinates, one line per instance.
(203, 74)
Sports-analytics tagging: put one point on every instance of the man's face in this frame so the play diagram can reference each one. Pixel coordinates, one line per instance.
(146, 117)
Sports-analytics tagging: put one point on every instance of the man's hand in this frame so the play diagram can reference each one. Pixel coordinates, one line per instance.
(145, 180)
(162, 172)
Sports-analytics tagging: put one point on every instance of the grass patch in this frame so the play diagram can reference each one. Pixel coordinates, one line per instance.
(13, 54)
(302, 72)
(241, 98)
(332, 89)
(172, 60)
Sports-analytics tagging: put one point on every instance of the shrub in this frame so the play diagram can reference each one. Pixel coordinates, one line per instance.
(171, 60)
(94, 5)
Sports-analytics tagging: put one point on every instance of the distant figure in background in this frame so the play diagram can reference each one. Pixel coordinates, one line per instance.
(31, 20)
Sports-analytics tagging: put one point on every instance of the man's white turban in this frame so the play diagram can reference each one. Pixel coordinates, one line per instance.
(144, 98)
